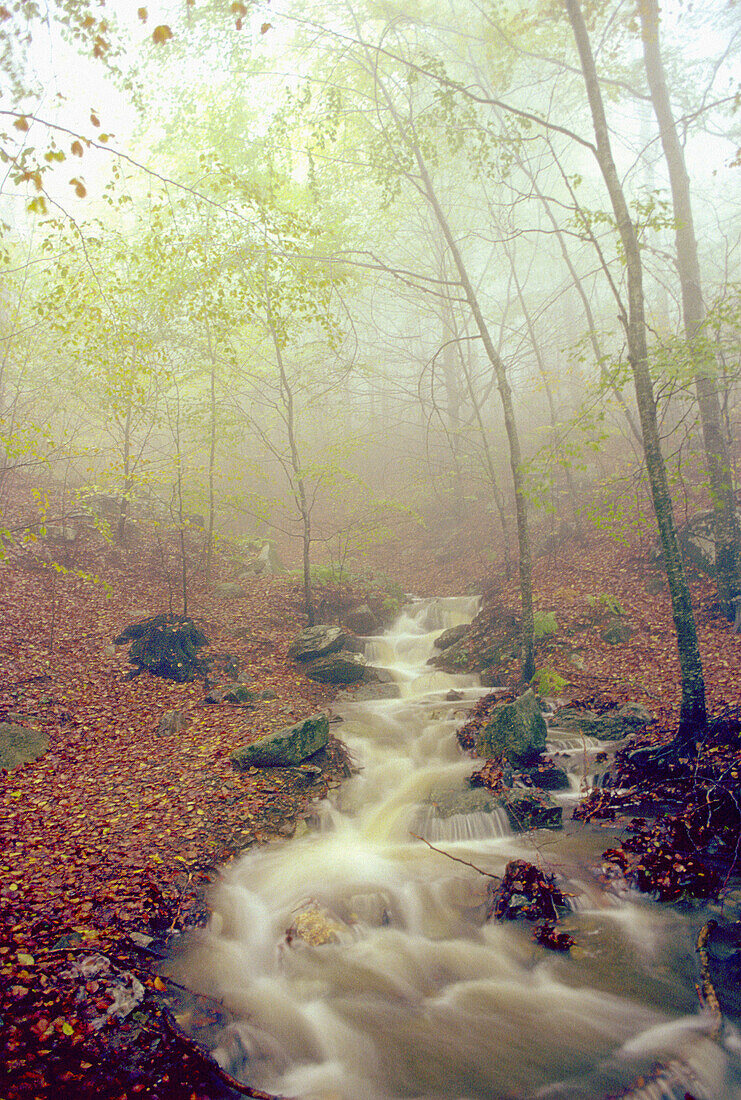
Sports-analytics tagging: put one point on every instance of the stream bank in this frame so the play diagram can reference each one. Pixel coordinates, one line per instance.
(357, 961)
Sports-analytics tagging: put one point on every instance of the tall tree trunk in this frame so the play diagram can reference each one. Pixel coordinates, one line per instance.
(298, 484)
(726, 526)
(693, 716)
(209, 537)
(510, 424)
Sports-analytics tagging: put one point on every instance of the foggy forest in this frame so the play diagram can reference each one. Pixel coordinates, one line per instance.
(370, 550)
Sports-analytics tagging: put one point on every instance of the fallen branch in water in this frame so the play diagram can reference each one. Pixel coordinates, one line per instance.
(201, 1053)
(457, 859)
(705, 988)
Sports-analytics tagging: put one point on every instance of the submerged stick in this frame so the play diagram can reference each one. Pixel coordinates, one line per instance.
(457, 859)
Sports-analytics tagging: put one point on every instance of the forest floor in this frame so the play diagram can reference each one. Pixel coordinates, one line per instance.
(114, 835)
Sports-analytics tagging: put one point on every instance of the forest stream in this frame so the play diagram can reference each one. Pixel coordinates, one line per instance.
(356, 962)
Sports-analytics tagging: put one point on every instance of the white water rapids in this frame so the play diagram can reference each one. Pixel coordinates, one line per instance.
(413, 994)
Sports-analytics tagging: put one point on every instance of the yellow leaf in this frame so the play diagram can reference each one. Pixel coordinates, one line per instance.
(161, 34)
(142, 13)
(79, 187)
(94, 119)
(159, 985)
(67, 1029)
(26, 960)
(77, 148)
(21, 124)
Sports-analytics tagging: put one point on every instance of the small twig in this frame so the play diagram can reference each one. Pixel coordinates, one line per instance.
(457, 859)
(199, 1052)
(705, 988)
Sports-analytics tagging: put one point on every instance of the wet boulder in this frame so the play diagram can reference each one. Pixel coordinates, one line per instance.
(516, 731)
(285, 747)
(452, 635)
(165, 645)
(547, 776)
(317, 641)
(531, 809)
(337, 668)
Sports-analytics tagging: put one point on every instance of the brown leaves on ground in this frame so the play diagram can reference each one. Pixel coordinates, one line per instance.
(116, 829)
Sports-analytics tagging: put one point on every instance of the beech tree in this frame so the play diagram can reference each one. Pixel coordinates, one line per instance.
(722, 497)
(693, 716)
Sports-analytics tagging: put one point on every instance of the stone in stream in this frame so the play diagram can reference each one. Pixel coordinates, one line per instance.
(547, 776)
(337, 668)
(515, 730)
(531, 809)
(286, 746)
(452, 635)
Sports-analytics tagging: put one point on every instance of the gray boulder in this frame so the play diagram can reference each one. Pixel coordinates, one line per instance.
(229, 590)
(286, 747)
(468, 800)
(613, 725)
(266, 563)
(20, 745)
(531, 809)
(361, 620)
(337, 668)
(515, 730)
(317, 641)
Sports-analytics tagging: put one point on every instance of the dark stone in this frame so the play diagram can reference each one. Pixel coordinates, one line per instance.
(516, 731)
(337, 668)
(361, 620)
(531, 809)
(452, 635)
(317, 641)
(547, 776)
(617, 632)
(165, 645)
(285, 747)
(231, 693)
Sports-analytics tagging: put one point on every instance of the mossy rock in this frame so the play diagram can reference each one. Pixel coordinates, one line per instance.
(286, 746)
(516, 731)
(20, 745)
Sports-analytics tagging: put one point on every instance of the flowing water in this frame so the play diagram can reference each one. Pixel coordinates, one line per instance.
(356, 963)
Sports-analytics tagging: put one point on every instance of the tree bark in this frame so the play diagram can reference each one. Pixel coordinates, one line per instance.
(510, 423)
(693, 715)
(722, 497)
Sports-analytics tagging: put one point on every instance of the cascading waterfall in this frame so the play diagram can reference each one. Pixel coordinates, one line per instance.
(356, 963)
